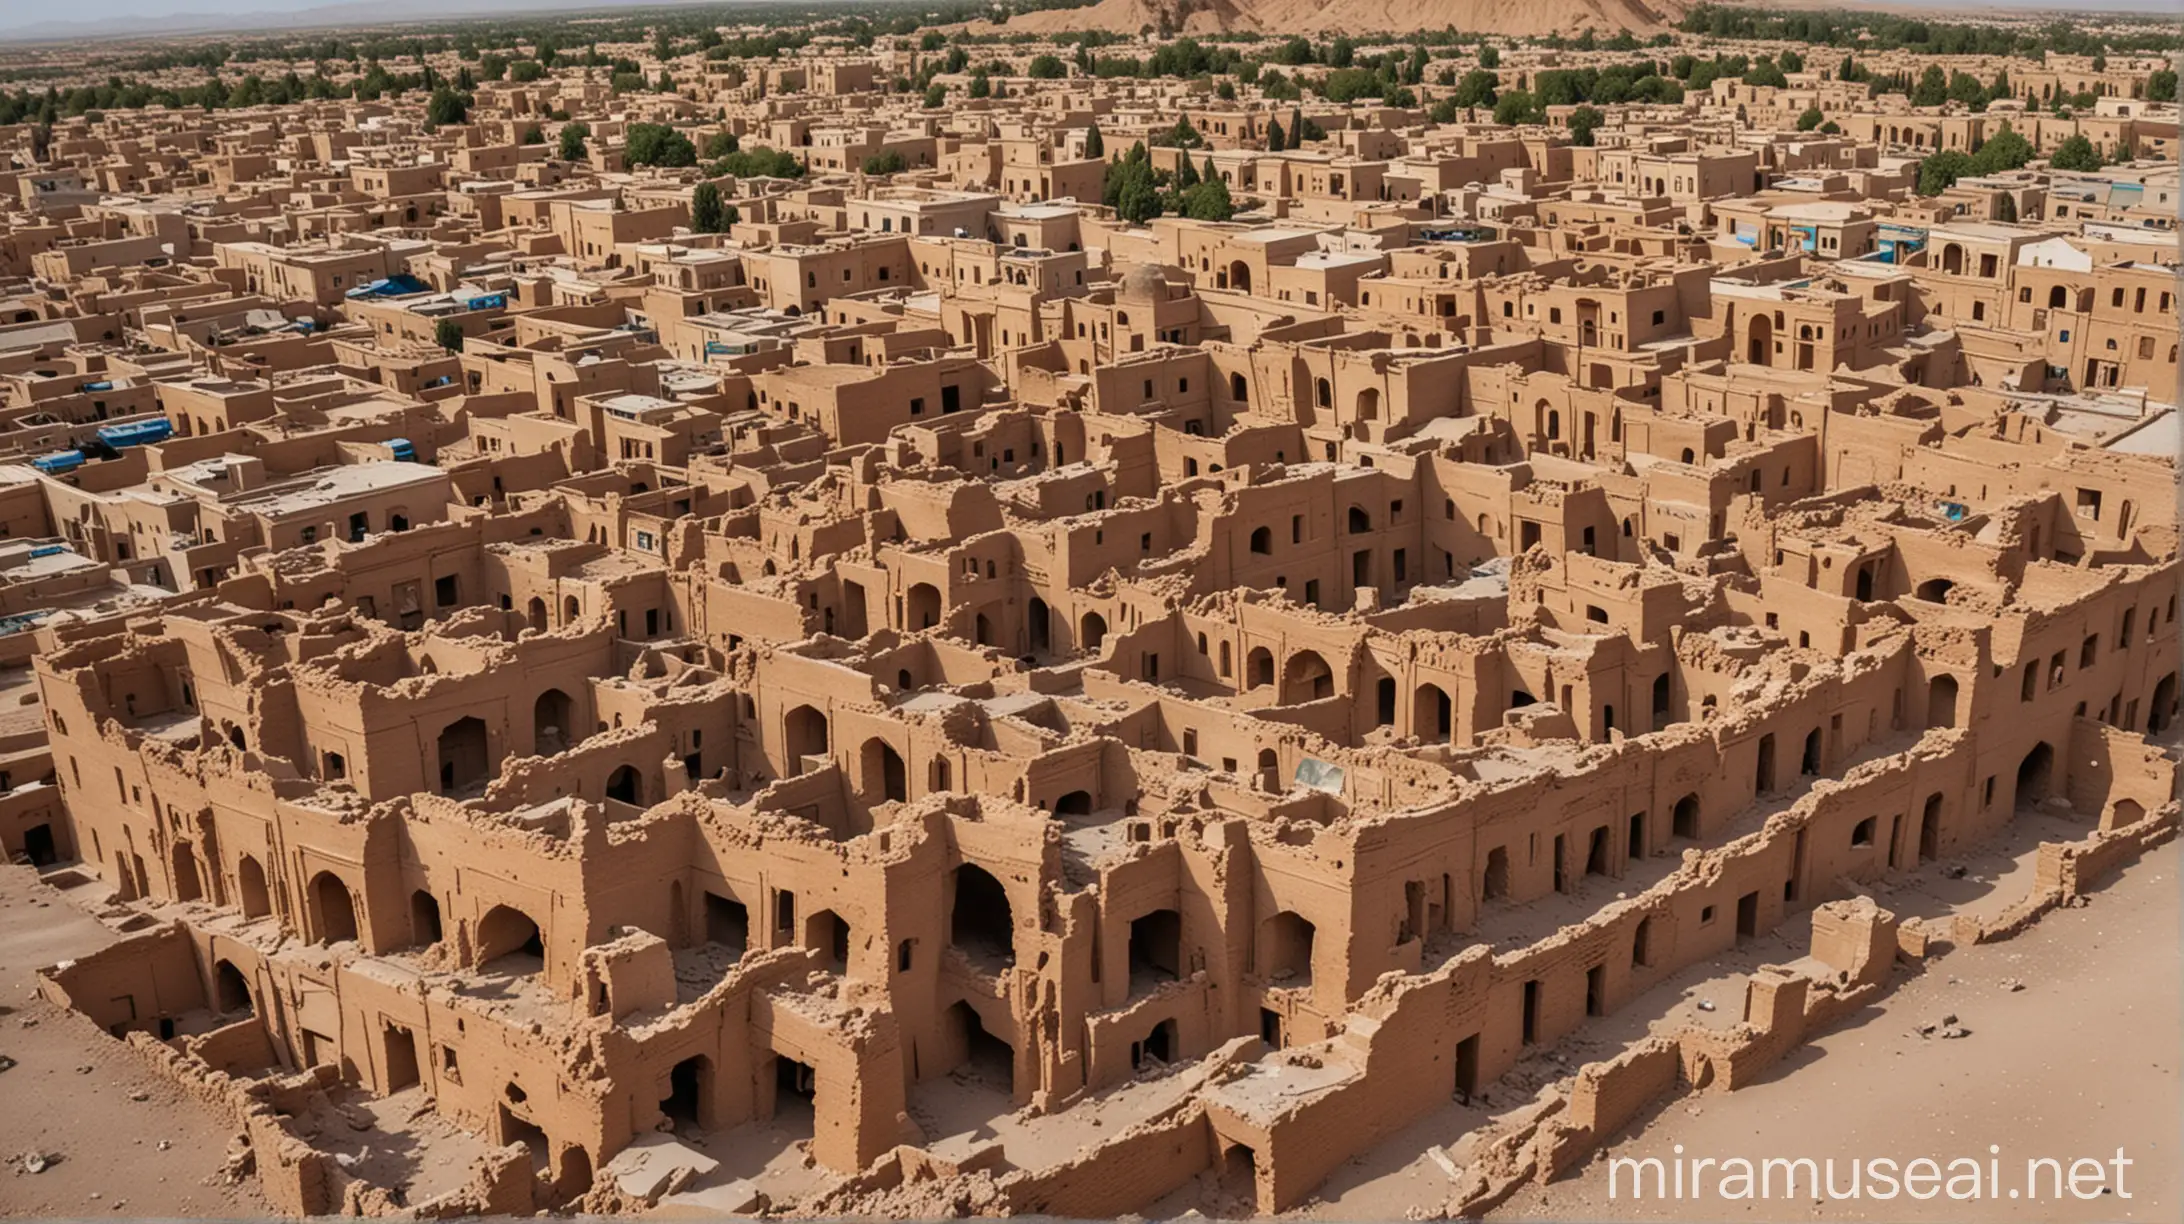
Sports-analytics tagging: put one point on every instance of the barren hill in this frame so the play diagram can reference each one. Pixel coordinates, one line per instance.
(1515, 17)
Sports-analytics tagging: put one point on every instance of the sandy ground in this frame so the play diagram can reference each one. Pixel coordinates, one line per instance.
(76, 1092)
(2080, 1062)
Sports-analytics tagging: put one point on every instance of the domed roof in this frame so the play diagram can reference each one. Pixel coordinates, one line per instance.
(1143, 282)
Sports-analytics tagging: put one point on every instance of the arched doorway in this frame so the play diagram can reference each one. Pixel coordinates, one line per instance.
(1239, 389)
(535, 613)
(1307, 678)
(424, 909)
(1684, 821)
(689, 1092)
(2163, 707)
(625, 786)
(804, 734)
(1759, 346)
(1941, 701)
(2034, 775)
(987, 1057)
(509, 942)
(1239, 278)
(1037, 625)
(979, 918)
(336, 911)
(231, 990)
(463, 759)
(257, 899)
(1258, 667)
(188, 886)
(921, 609)
(1433, 715)
(1285, 949)
(1092, 631)
(552, 722)
(1156, 950)
(1075, 803)
(884, 772)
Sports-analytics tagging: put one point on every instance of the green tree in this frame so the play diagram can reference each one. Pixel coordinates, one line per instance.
(2076, 153)
(525, 71)
(2005, 150)
(1790, 61)
(534, 135)
(1046, 68)
(1933, 87)
(1940, 172)
(446, 107)
(1094, 146)
(721, 144)
(656, 144)
(707, 216)
(1138, 201)
(1517, 107)
(1582, 122)
(2161, 85)
(981, 84)
(1489, 56)
(1766, 73)
(1444, 111)
(1209, 201)
(1132, 188)
(1811, 119)
(1274, 139)
(759, 163)
(889, 162)
(1477, 88)
(448, 333)
(936, 96)
(573, 136)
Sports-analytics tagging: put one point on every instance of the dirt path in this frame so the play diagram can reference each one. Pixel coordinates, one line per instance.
(2080, 1062)
(74, 1092)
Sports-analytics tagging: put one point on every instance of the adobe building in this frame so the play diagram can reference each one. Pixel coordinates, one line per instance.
(919, 693)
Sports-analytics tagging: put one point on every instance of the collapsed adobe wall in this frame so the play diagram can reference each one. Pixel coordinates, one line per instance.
(1854, 946)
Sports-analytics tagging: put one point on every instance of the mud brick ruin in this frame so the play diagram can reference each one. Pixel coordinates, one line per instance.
(1030, 708)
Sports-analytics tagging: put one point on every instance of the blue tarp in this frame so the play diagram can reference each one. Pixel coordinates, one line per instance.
(137, 433)
(58, 462)
(392, 286)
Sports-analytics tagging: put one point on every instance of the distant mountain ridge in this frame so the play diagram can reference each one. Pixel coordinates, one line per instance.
(1282, 17)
